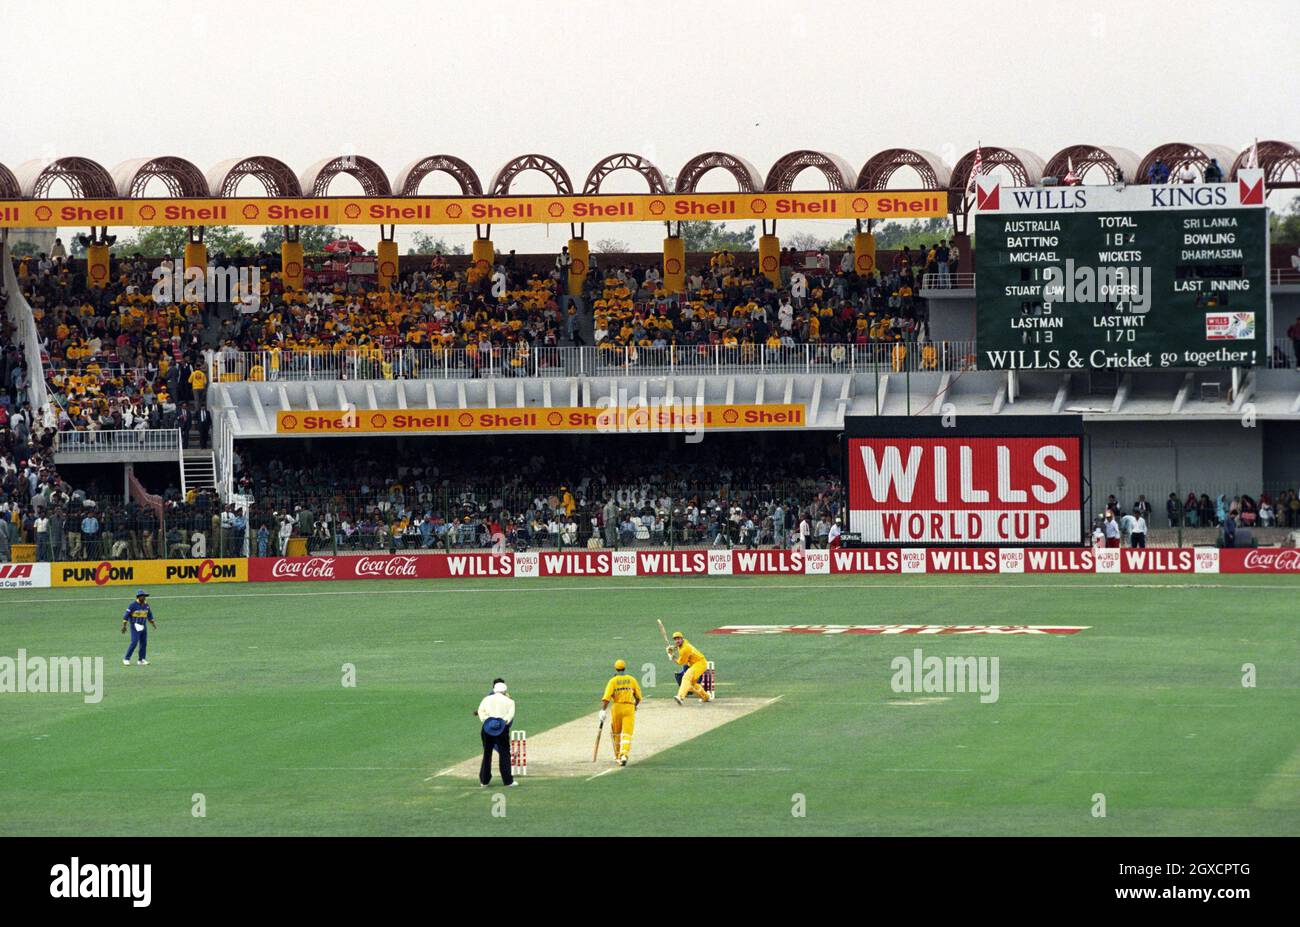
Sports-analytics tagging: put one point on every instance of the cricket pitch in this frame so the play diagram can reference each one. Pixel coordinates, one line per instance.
(661, 724)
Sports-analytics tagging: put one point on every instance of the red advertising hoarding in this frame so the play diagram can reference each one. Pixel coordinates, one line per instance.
(976, 481)
(893, 560)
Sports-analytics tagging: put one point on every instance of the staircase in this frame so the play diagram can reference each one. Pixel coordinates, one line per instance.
(198, 471)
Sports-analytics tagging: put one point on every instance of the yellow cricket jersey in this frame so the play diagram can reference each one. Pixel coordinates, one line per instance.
(622, 689)
(688, 655)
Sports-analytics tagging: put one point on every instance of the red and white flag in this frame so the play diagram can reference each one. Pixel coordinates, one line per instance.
(976, 169)
(1070, 178)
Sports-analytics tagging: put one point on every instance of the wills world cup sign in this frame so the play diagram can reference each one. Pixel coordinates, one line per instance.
(974, 481)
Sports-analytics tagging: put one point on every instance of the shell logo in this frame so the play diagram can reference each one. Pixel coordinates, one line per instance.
(289, 422)
(147, 212)
(860, 204)
(378, 420)
(769, 263)
(98, 272)
(673, 266)
(556, 209)
(865, 263)
(758, 206)
(731, 416)
(657, 207)
(43, 213)
(578, 267)
(554, 418)
(465, 419)
(292, 269)
(252, 211)
(454, 211)
(387, 269)
(351, 210)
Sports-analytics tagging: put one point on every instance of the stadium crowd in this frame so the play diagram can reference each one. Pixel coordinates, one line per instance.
(555, 498)
(125, 356)
(116, 357)
(1200, 511)
(38, 506)
(608, 497)
(121, 359)
(733, 305)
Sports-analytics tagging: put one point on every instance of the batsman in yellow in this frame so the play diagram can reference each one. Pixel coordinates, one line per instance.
(695, 663)
(625, 692)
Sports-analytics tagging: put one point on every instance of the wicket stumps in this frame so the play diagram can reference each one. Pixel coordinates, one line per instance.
(707, 680)
(518, 753)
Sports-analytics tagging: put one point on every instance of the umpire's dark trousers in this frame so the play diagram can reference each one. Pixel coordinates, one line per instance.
(500, 743)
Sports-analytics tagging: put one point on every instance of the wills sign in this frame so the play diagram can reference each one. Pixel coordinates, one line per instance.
(984, 481)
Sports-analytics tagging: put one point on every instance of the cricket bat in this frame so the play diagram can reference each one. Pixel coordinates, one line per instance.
(662, 630)
(596, 749)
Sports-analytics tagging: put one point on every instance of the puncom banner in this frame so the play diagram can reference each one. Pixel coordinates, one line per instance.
(148, 572)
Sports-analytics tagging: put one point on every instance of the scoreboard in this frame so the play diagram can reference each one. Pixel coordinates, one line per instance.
(1137, 277)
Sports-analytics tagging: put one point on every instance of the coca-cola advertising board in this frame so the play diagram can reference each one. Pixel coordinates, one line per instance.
(379, 566)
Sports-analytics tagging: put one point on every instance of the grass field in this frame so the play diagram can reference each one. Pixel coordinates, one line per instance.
(243, 703)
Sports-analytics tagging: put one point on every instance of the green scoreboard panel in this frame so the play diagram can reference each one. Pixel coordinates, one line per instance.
(1140, 277)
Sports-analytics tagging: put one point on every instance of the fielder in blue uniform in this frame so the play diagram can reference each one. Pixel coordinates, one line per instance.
(137, 613)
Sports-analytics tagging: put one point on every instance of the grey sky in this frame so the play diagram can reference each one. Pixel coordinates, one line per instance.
(669, 79)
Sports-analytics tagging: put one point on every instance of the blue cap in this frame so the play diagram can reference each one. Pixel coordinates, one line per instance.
(141, 592)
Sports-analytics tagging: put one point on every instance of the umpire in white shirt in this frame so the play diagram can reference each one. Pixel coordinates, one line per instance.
(497, 713)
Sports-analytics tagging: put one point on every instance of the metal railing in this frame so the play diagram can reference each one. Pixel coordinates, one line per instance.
(118, 442)
(1284, 355)
(1278, 276)
(461, 364)
(882, 357)
(936, 281)
(130, 376)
